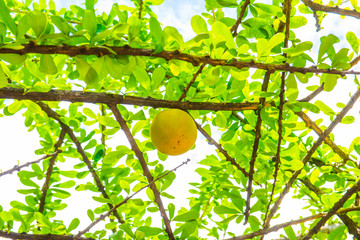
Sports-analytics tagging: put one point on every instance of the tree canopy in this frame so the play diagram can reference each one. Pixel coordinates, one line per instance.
(80, 78)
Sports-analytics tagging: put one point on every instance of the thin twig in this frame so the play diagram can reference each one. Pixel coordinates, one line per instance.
(290, 223)
(103, 216)
(49, 172)
(144, 167)
(221, 149)
(19, 167)
(234, 28)
(15, 236)
(183, 95)
(322, 8)
(312, 95)
(255, 147)
(307, 157)
(287, 11)
(71, 134)
(140, 8)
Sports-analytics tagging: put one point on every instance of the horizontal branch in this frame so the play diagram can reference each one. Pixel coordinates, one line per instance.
(323, 8)
(19, 167)
(12, 235)
(290, 223)
(167, 55)
(106, 98)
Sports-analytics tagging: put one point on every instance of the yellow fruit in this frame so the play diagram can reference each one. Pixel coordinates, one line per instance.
(173, 132)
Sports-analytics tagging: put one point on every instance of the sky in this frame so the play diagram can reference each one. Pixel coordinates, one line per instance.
(17, 144)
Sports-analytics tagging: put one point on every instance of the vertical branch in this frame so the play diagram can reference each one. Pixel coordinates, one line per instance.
(255, 146)
(81, 151)
(103, 128)
(287, 10)
(140, 8)
(307, 157)
(145, 168)
(239, 20)
(183, 95)
(46, 185)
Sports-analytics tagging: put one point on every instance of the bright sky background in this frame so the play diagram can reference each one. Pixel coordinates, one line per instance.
(18, 145)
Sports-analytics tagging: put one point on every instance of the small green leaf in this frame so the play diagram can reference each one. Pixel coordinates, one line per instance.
(89, 22)
(37, 21)
(91, 214)
(108, 121)
(189, 228)
(324, 108)
(114, 156)
(15, 59)
(348, 120)
(3, 78)
(327, 42)
(157, 77)
(171, 208)
(225, 210)
(353, 40)
(142, 77)
(198, 24)
(73, 225)
(47, 64)
(185, 217)
(290, 233)
(329, 81)
(61, 24)
(6, 17)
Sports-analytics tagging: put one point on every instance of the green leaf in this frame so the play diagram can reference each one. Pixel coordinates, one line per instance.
(185, 217)
(324, 108)
(150, 231)
(156, 33)
(353, 40)
(91, 214)
(198, 24)
(89, 22)
(114, 156)
(171, 208)
(114, 67)
(90, 4)
(276, 40)
(142, 77)
(157, 77)
(37, 21)
(61, 24)
(354, 3)
(15, 59)
(67, 184)
(73, 225)
(329, 81)
(88, 112)
(327, 42)
(290, 233)
(337, 233)
(269, 9)
(220, 209)
(47, 64)
(43, 220)
(297, 21)
(21, 206)
(3, 78)
(221, 33)
(108, 121)
(6, 17)
(348, 120)
(188, 229)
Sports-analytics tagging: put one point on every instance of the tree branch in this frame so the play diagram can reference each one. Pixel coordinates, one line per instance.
(313, 94)
(319, 7)
(106, 98)
(12, 235)
(81, 151)
(144, 166)
(333, 210)
(264, 88)
(221, 149)
(307, 157)
(49, 172)
(351, 225)
(290, 223)
(183, 95)
(234, 28)
(18, 168)
(73, 51)
(103, 216)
